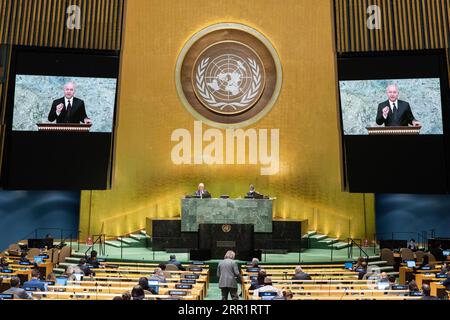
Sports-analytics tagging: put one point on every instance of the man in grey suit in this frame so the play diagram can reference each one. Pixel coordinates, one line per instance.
(300, 275)
(228, 271)
(18, 293)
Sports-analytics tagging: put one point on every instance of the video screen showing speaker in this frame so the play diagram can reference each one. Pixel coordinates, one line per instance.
(394, 121)
(40, 100)
(60, 119)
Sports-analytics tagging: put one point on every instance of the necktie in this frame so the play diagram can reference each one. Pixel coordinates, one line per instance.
(395, 109)
(69, 107)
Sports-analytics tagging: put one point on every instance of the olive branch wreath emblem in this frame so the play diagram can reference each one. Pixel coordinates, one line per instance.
(211, 100)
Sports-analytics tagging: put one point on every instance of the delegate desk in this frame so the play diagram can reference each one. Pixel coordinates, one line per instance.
(195, 211)
(407, 274)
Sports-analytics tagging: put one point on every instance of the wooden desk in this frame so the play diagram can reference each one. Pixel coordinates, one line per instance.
(195, 292)
(93, 296)
(438, 289)
(406, 274)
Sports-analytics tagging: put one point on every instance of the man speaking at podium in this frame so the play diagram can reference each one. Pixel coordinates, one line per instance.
(68, 109)
(394, 112)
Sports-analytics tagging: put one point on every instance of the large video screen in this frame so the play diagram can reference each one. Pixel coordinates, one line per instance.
(60, 119)
(41, 99)
(395, 121)
(391, 102)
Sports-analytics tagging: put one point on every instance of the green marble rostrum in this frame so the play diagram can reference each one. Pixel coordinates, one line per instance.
(221, 211)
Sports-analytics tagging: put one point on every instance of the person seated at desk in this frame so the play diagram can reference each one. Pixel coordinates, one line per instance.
(437, 252)
(426, 291)
(254, 263)
(143, 282)
(158, 275)
(445, 268)
(383, 277)
(371, 274)
(300, 275)
(93, 261)
(85, 268)
(201, 192)
(71, 271)
(253, 193)
(358, 264)
(267, 288)
(412, 245)
(126, 296)
(259, 282)
(35, 282)
(137, 293)
(392, 281)
(362, 271)
(173, 260)
(23, 257)
(15, 289)
(413, 287)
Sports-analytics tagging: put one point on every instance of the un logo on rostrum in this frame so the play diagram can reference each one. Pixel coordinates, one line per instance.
(228, 75)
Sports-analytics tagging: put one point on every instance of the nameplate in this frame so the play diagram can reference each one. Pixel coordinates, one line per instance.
(225, 244)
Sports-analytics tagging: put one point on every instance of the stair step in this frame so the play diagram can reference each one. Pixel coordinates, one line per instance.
(340, 245)
(139, 236)
(117, 244)
(318, 237)
(58, 270)
(66, 264)
(128, 240)
(72, 260)
(309, 234)
(375, 258)
(78, 255)
(329, 240)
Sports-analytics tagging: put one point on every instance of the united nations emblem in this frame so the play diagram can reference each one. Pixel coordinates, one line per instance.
(226, 228)
(230, 82)
(228, 75)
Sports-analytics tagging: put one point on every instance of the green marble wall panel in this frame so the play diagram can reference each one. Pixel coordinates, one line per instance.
(247, 211)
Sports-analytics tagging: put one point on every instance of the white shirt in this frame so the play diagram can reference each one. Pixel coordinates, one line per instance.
(392, 104)
(67, 101)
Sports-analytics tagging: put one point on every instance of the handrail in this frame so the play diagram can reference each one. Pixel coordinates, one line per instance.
(351, 241)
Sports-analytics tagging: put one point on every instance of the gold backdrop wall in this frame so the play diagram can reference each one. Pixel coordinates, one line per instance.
(147, 184)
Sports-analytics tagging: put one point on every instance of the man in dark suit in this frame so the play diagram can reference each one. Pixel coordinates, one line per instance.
(173, 260)
(394, 112)
(68, 109)
(202, 192)
(253, 193)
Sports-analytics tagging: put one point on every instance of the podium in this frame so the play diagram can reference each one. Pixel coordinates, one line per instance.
(64, 127)
(226, 211)
(393, 130)
(219, 238)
